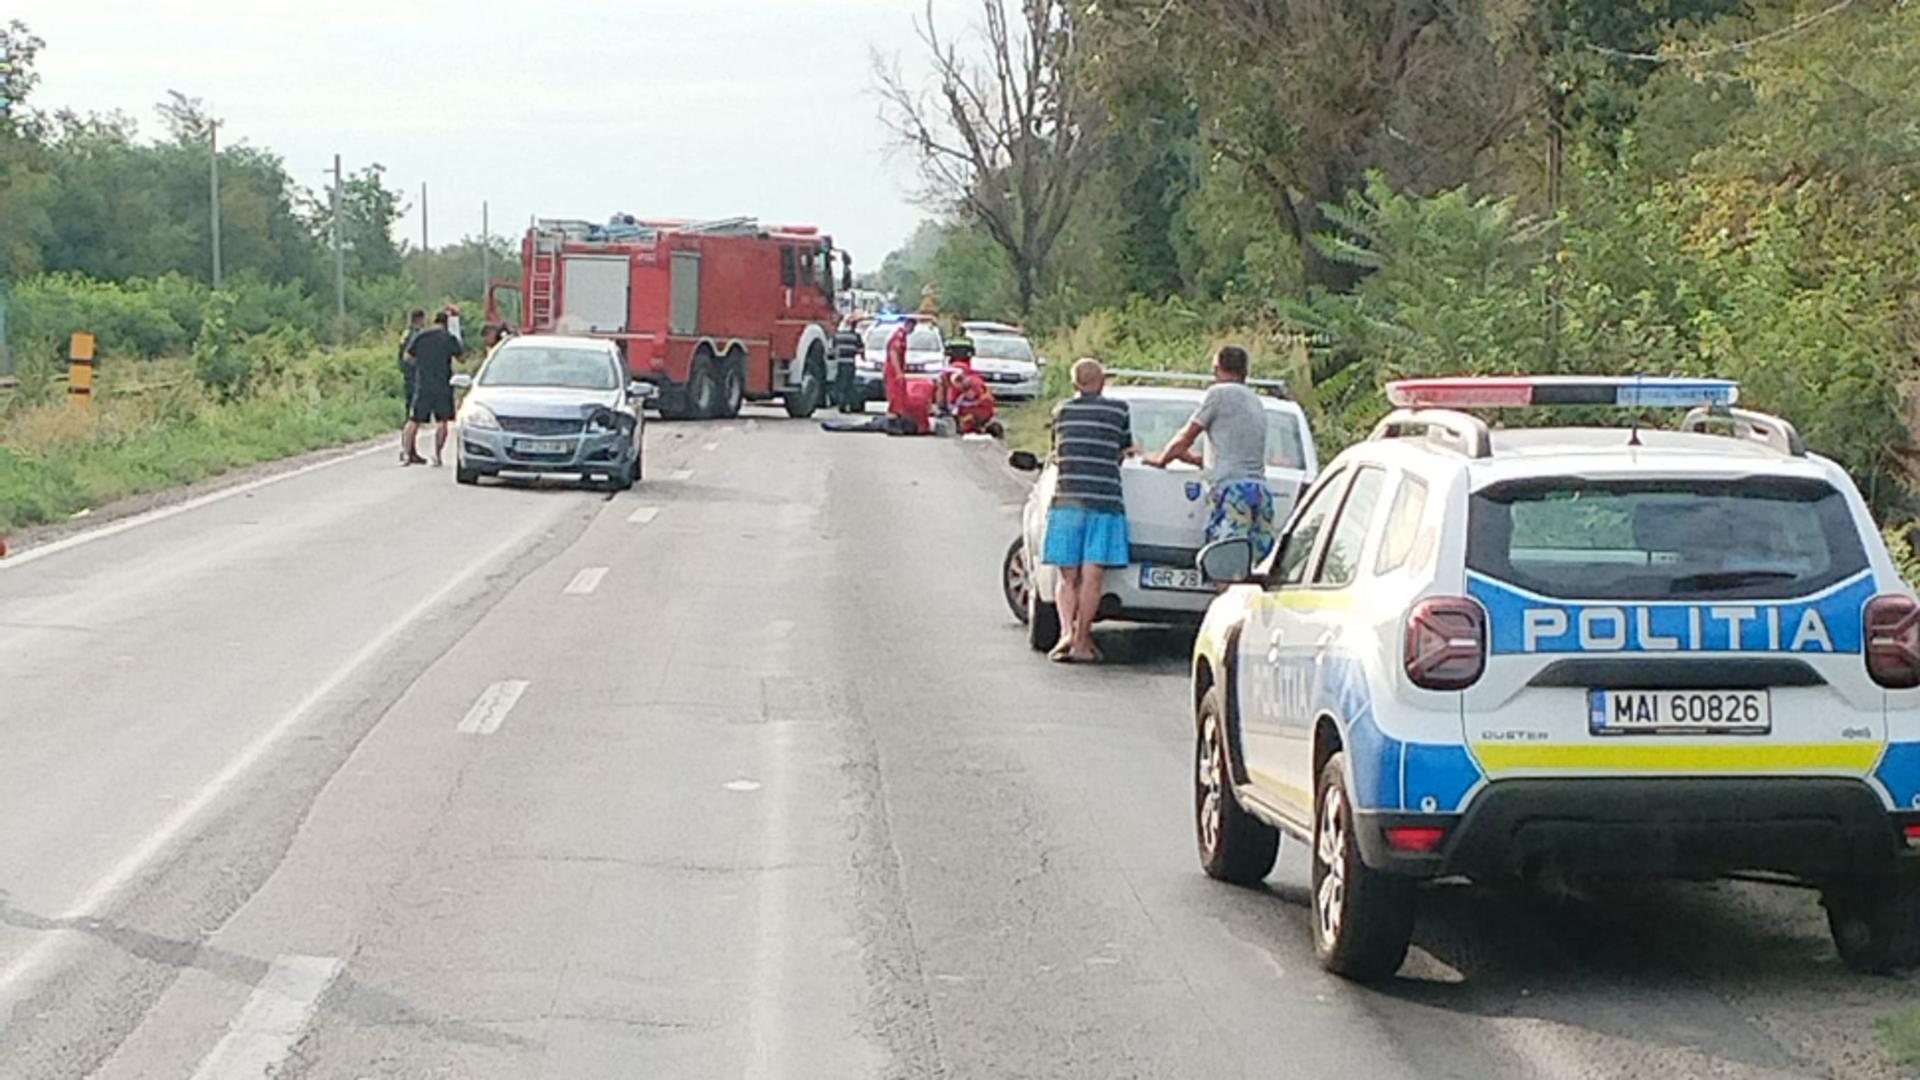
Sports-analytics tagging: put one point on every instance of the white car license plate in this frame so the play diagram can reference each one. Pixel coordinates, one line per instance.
(1172, 577)
(1679, 712)
(540, 446)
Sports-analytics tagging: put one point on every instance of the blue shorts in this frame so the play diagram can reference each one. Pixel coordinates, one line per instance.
(1084, 536)
(1243, 509)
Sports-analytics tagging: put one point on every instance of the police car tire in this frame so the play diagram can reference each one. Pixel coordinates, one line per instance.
(1875, 922)
(1043, 623)
(1244, 848)
(1375, 909)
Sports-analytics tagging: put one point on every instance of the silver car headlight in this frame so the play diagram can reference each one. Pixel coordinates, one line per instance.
(476, 415)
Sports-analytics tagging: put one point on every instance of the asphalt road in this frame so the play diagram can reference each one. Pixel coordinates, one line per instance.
(745, 773)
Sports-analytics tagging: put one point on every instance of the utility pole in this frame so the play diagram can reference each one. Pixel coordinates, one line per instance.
(426, 246)
(486, 253)
(213, 164)
(339, 260)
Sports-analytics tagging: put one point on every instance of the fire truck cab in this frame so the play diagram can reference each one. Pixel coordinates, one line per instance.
(714, 313)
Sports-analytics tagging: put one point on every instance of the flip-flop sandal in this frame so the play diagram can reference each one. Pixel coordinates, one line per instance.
(1061, 654)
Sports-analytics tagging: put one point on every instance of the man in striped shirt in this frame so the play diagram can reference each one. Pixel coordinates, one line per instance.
(1087, 522)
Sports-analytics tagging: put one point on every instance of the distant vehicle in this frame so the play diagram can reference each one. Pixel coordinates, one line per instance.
(926, 351)
(543, 404)
(714, 313)
(1575, 652)
(1005, 358)
(1166, 515)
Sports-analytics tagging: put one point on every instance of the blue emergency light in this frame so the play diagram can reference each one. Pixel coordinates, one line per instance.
(1631, 391)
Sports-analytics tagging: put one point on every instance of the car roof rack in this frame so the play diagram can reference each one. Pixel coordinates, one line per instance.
(1759, 427)
(1275, 387)
(1445, 428)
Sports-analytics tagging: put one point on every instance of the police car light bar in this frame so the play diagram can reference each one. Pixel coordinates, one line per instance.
(1276, 387)
(1648, 391)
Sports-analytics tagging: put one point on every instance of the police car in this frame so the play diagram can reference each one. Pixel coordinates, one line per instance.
(1571, 652)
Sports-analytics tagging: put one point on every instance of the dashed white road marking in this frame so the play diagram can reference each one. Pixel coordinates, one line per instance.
(165, 512)
(273, 1019)
(587, 580)
(491, 708)
(27, 966)
(710, 446)
(742, 785)
(644, 515)
(683, 474)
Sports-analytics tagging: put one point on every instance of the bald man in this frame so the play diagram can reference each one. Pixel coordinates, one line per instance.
(1087, 521)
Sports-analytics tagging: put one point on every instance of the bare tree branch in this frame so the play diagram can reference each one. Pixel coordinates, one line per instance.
(1003, 133)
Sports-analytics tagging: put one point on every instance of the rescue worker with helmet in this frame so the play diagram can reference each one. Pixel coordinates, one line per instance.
(963, 394)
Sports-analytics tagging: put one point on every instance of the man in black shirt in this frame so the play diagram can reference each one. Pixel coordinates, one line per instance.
(433, 352)
(415, 323)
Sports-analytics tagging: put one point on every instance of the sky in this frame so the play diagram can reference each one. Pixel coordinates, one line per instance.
(548, 108)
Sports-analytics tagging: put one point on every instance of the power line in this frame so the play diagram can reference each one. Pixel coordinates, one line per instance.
(1739, 46)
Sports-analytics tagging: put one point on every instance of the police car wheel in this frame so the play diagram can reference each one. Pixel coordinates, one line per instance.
(1015, 579)
(1362, 919)
(1234, 845)
(1043, 622)
(1875, 922)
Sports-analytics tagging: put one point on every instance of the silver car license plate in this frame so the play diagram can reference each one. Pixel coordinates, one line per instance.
(1185, 579)
(1679, 712)
(540, 446)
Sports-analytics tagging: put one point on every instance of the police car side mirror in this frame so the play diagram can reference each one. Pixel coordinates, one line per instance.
(1226, 562)
(642, 391)
(1024, 460)
(462, 381)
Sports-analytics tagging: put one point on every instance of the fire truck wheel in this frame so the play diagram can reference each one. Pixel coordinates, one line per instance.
(813, 385)
(703, 387)
(733, 384)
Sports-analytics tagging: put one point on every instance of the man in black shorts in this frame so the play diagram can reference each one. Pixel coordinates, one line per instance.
(433, 352)
(415, 323)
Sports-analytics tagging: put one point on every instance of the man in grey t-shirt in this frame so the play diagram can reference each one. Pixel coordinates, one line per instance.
(1235, 424)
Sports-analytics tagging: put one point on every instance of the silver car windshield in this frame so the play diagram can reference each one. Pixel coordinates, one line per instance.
(538, 365)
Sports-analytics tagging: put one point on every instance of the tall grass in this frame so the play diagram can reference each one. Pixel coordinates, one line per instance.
(155, 426)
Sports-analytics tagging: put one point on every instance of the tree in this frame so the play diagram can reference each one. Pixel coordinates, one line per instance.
(1006, 142)
(368, 209)
(1309, 96)
(19, 48)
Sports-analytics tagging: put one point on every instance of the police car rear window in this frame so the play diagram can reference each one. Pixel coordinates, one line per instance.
(1664, 539)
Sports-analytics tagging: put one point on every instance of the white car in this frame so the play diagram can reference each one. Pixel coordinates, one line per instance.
(1566, 653)
(926, 352)
(1166, 513)
(1004, 357)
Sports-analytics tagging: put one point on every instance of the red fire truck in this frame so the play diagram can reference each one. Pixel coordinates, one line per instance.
(713, 313)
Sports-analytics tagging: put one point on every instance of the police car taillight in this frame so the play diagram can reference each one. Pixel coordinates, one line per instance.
(1446, 643)
(1893, 641)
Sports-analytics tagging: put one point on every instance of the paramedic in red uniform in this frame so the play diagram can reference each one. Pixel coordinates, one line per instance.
(909, 401)
(964, 393)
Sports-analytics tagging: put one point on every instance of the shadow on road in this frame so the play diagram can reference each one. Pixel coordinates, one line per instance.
(347, 998)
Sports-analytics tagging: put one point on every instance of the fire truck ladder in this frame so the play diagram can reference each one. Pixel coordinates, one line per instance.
(734, 226)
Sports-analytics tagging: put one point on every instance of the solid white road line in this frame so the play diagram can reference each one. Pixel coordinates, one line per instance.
(644, 515)
(135, 863)
(585, 581)
(165, 512)
(273, 1020)
(491, 708)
